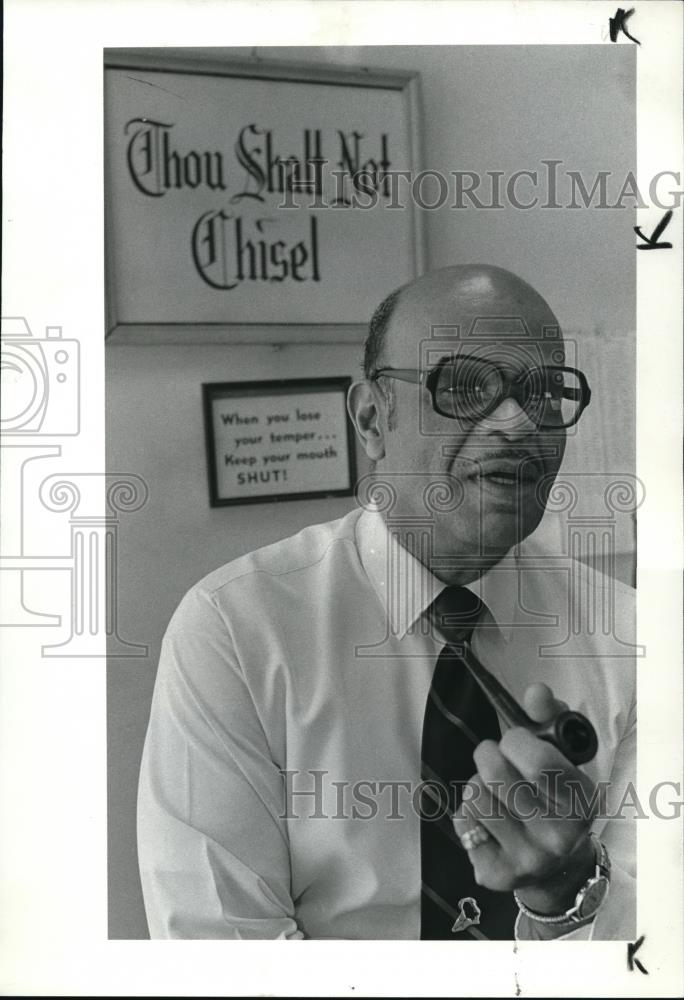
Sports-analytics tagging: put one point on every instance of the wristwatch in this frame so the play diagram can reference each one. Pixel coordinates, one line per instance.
(588, 900)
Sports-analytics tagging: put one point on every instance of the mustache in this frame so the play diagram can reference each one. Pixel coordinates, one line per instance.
(522, 458)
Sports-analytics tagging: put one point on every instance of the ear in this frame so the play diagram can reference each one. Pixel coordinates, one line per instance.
(367, 419)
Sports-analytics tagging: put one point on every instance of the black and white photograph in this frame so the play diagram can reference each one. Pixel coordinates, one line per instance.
(303, 747)
(355, 488)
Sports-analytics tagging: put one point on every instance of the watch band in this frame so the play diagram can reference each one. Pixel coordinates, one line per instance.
(574, 914)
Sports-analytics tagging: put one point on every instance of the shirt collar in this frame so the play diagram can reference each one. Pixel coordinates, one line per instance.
(406, 587)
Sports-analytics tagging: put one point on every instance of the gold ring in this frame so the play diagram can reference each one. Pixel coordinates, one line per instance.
(473, 838)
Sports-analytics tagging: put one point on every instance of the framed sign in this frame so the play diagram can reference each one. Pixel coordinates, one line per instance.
(240, 195)
(278, 440)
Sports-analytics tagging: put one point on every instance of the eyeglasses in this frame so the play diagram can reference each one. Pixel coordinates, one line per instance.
(471, 388)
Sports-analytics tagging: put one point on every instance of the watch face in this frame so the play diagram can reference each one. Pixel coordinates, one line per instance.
(593, 895)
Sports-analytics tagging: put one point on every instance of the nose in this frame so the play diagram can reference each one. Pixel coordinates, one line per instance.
(510, 421)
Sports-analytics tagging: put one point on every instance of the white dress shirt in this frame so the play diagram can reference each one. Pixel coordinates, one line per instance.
(313, 657)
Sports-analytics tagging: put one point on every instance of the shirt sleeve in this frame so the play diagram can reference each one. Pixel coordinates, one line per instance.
(616, 919)
(213, 849)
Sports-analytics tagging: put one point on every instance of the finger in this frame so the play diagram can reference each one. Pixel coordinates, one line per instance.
(540, 703)
(500, 862)
(487, 859)
(559, 782)
(486, 809)
(516, 794)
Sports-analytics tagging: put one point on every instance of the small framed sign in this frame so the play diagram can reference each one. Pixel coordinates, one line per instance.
(278, 440)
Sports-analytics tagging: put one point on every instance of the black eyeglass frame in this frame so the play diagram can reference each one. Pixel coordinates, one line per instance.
(512, 386)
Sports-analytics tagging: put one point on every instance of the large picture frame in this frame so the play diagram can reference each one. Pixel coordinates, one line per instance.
(282, 439)
(254, 202)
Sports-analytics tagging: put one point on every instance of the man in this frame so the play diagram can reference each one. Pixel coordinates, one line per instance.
(282, 790)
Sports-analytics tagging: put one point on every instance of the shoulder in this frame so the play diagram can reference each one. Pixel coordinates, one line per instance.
(595, 609)
(298, 553)
(258, 574)
(563, 573)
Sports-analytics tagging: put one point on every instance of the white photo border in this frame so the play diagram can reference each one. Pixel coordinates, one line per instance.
(53, 720)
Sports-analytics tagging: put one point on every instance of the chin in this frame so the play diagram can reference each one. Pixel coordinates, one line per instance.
(469, 558)
(502, 533)
(499, 539)
(461, 539)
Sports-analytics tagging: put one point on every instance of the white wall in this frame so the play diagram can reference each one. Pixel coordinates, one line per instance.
(499, 108)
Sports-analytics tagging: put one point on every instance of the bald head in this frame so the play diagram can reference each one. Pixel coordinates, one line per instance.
(462, 301)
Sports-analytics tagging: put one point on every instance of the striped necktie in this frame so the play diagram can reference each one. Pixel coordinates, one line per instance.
(458, 716)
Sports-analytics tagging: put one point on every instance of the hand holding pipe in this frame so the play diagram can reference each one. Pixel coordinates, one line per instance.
(571, 732)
